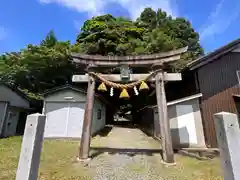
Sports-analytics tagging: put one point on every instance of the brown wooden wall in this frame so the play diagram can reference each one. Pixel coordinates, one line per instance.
(218, 82)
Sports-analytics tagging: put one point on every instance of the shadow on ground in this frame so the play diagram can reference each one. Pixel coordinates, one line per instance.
(108, 128)
(125, 124)
(105, 131)
(199, 155)
(96, 151)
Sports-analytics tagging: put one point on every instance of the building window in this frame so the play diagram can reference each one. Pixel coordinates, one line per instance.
(99, 114)
(238, 76)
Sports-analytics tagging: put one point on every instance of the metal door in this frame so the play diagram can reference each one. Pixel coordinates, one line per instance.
(56, 121)
(75, 119)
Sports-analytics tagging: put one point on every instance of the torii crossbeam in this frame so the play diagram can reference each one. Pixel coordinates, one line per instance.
(133, 77)
(156, 62)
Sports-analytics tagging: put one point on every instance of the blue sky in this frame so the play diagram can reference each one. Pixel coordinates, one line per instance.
(28, 21)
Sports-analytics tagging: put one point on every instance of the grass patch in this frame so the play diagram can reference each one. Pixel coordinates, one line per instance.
(58, 162)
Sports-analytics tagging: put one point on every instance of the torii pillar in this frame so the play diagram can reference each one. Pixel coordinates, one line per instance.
(164, 124)
(87, 122)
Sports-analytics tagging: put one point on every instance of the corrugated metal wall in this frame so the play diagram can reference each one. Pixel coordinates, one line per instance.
(218, 82)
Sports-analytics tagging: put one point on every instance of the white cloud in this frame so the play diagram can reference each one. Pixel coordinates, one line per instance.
(3, 33)
(93, 7)
(134, 7)
(220, 19)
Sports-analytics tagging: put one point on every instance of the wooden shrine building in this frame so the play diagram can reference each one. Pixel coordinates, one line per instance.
(123, 77)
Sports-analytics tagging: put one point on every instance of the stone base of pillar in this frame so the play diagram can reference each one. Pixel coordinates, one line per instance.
(83, 160)
(168, 164)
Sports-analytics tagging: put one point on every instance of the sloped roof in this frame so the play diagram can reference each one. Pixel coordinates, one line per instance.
(17, 91)
(74, 88)
(213, 55)
(59, 88)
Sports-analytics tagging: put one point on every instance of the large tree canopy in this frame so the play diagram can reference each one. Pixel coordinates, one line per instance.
(43, 66)
(152, 32)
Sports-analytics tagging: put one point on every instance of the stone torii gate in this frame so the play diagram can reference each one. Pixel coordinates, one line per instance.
(155, 62)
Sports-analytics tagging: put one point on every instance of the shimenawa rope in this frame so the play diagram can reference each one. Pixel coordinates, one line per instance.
(121, 86)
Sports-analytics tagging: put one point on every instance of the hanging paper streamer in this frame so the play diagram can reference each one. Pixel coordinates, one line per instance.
(135, 90)
(102, 87)
(124, 94)
(111, 91)
(143, 86)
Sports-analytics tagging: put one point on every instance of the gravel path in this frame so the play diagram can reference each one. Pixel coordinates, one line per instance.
(125, 153)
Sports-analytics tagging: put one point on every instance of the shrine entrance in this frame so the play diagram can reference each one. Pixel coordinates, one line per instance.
(127, 83)
(124, 98)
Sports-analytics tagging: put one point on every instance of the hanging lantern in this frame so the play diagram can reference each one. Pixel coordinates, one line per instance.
(143, 86)
(135, 91)
(111, 91)
(124, 94)
(102, 87)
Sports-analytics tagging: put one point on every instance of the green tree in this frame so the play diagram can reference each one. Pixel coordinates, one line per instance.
(107, 35)
(40, 67)
(50, 40)
(3, 65)
(152, 32)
